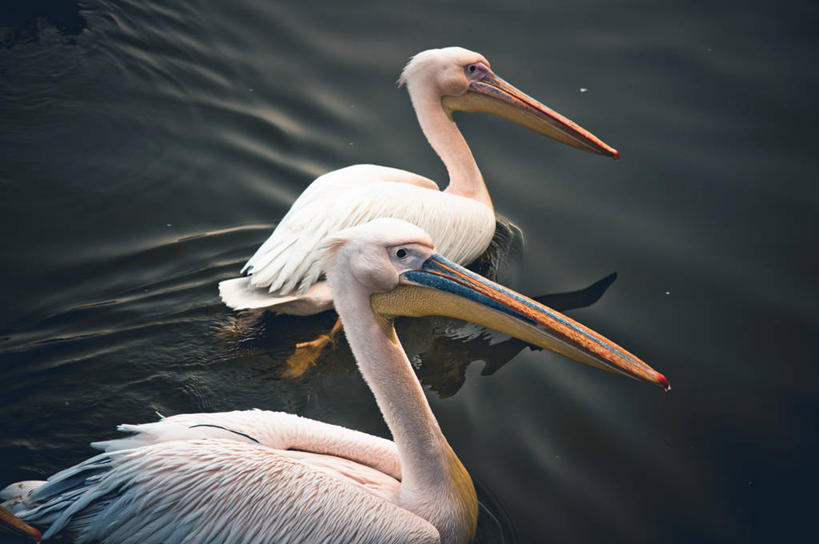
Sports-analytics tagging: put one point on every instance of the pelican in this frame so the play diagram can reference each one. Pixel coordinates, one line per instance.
(285, 273)
(257, 476)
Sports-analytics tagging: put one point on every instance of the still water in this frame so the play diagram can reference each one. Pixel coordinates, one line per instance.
(147, 148)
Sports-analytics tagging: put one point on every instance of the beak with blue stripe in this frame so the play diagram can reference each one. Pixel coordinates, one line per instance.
(441, 287)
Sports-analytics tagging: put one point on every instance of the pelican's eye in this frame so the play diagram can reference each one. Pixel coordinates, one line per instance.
(401, 253)
(476, 71)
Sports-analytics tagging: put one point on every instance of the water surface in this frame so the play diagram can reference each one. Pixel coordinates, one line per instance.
(146, 154)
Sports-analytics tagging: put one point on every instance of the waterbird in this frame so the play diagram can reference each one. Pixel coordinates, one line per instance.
(258, 476)
(285, 274)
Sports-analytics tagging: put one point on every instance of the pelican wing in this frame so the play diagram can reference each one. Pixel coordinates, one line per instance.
(216, 491)
(278, 430)
(289, 262)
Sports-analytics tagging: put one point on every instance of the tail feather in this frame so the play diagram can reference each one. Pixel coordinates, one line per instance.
(73, 491)
(239, 294)
(15, 497)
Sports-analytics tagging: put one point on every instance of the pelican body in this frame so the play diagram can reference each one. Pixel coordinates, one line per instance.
(285, 273)
(256, 476)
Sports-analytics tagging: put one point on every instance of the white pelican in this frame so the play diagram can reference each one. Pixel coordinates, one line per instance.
(255, 476)
(285, 272)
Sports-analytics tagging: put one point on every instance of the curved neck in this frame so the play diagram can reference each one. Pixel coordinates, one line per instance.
(434, 483)
(465, 178)
(388, 373)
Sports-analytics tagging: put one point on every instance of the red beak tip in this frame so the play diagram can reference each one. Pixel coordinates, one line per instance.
(663, 382)
(615, 154)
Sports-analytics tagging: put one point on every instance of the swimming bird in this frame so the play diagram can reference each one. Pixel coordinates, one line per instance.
(257, 476)
(285, 274)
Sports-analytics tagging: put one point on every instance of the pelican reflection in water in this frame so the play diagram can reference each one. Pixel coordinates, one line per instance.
(259, 476)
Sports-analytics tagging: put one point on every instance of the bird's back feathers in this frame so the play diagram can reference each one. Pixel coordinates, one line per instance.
(289, 262)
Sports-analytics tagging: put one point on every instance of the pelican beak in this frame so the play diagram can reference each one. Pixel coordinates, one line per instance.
(494, 95)
(9, 523)
(443, 288)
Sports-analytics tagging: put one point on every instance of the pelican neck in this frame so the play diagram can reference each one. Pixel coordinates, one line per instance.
(443, 135)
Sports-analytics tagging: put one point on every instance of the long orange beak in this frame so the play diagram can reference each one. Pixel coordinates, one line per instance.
(444, 288)
(9, 523)
(494, 95)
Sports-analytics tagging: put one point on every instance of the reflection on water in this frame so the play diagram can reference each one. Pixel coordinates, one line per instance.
(439, 348)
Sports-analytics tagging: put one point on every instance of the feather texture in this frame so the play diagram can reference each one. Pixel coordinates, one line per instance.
(278, 430)
(239, 476)
(217, 490)
(289, 262)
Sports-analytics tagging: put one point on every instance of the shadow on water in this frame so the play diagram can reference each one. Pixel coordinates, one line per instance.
(440, 349)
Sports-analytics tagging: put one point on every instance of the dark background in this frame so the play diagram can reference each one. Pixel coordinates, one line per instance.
(147, 148)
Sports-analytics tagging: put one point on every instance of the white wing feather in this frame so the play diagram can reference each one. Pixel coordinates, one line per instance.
(278, 430)
(289, 262)
(243, 476)
(198, 491)
(239, 294)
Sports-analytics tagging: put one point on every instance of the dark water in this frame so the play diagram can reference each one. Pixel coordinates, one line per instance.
(147, 150)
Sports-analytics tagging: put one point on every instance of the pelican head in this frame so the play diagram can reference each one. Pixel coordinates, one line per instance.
(397, 264)
(463, 81)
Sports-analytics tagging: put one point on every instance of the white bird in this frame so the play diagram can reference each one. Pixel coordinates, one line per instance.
(285, 272)
(256, 476)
